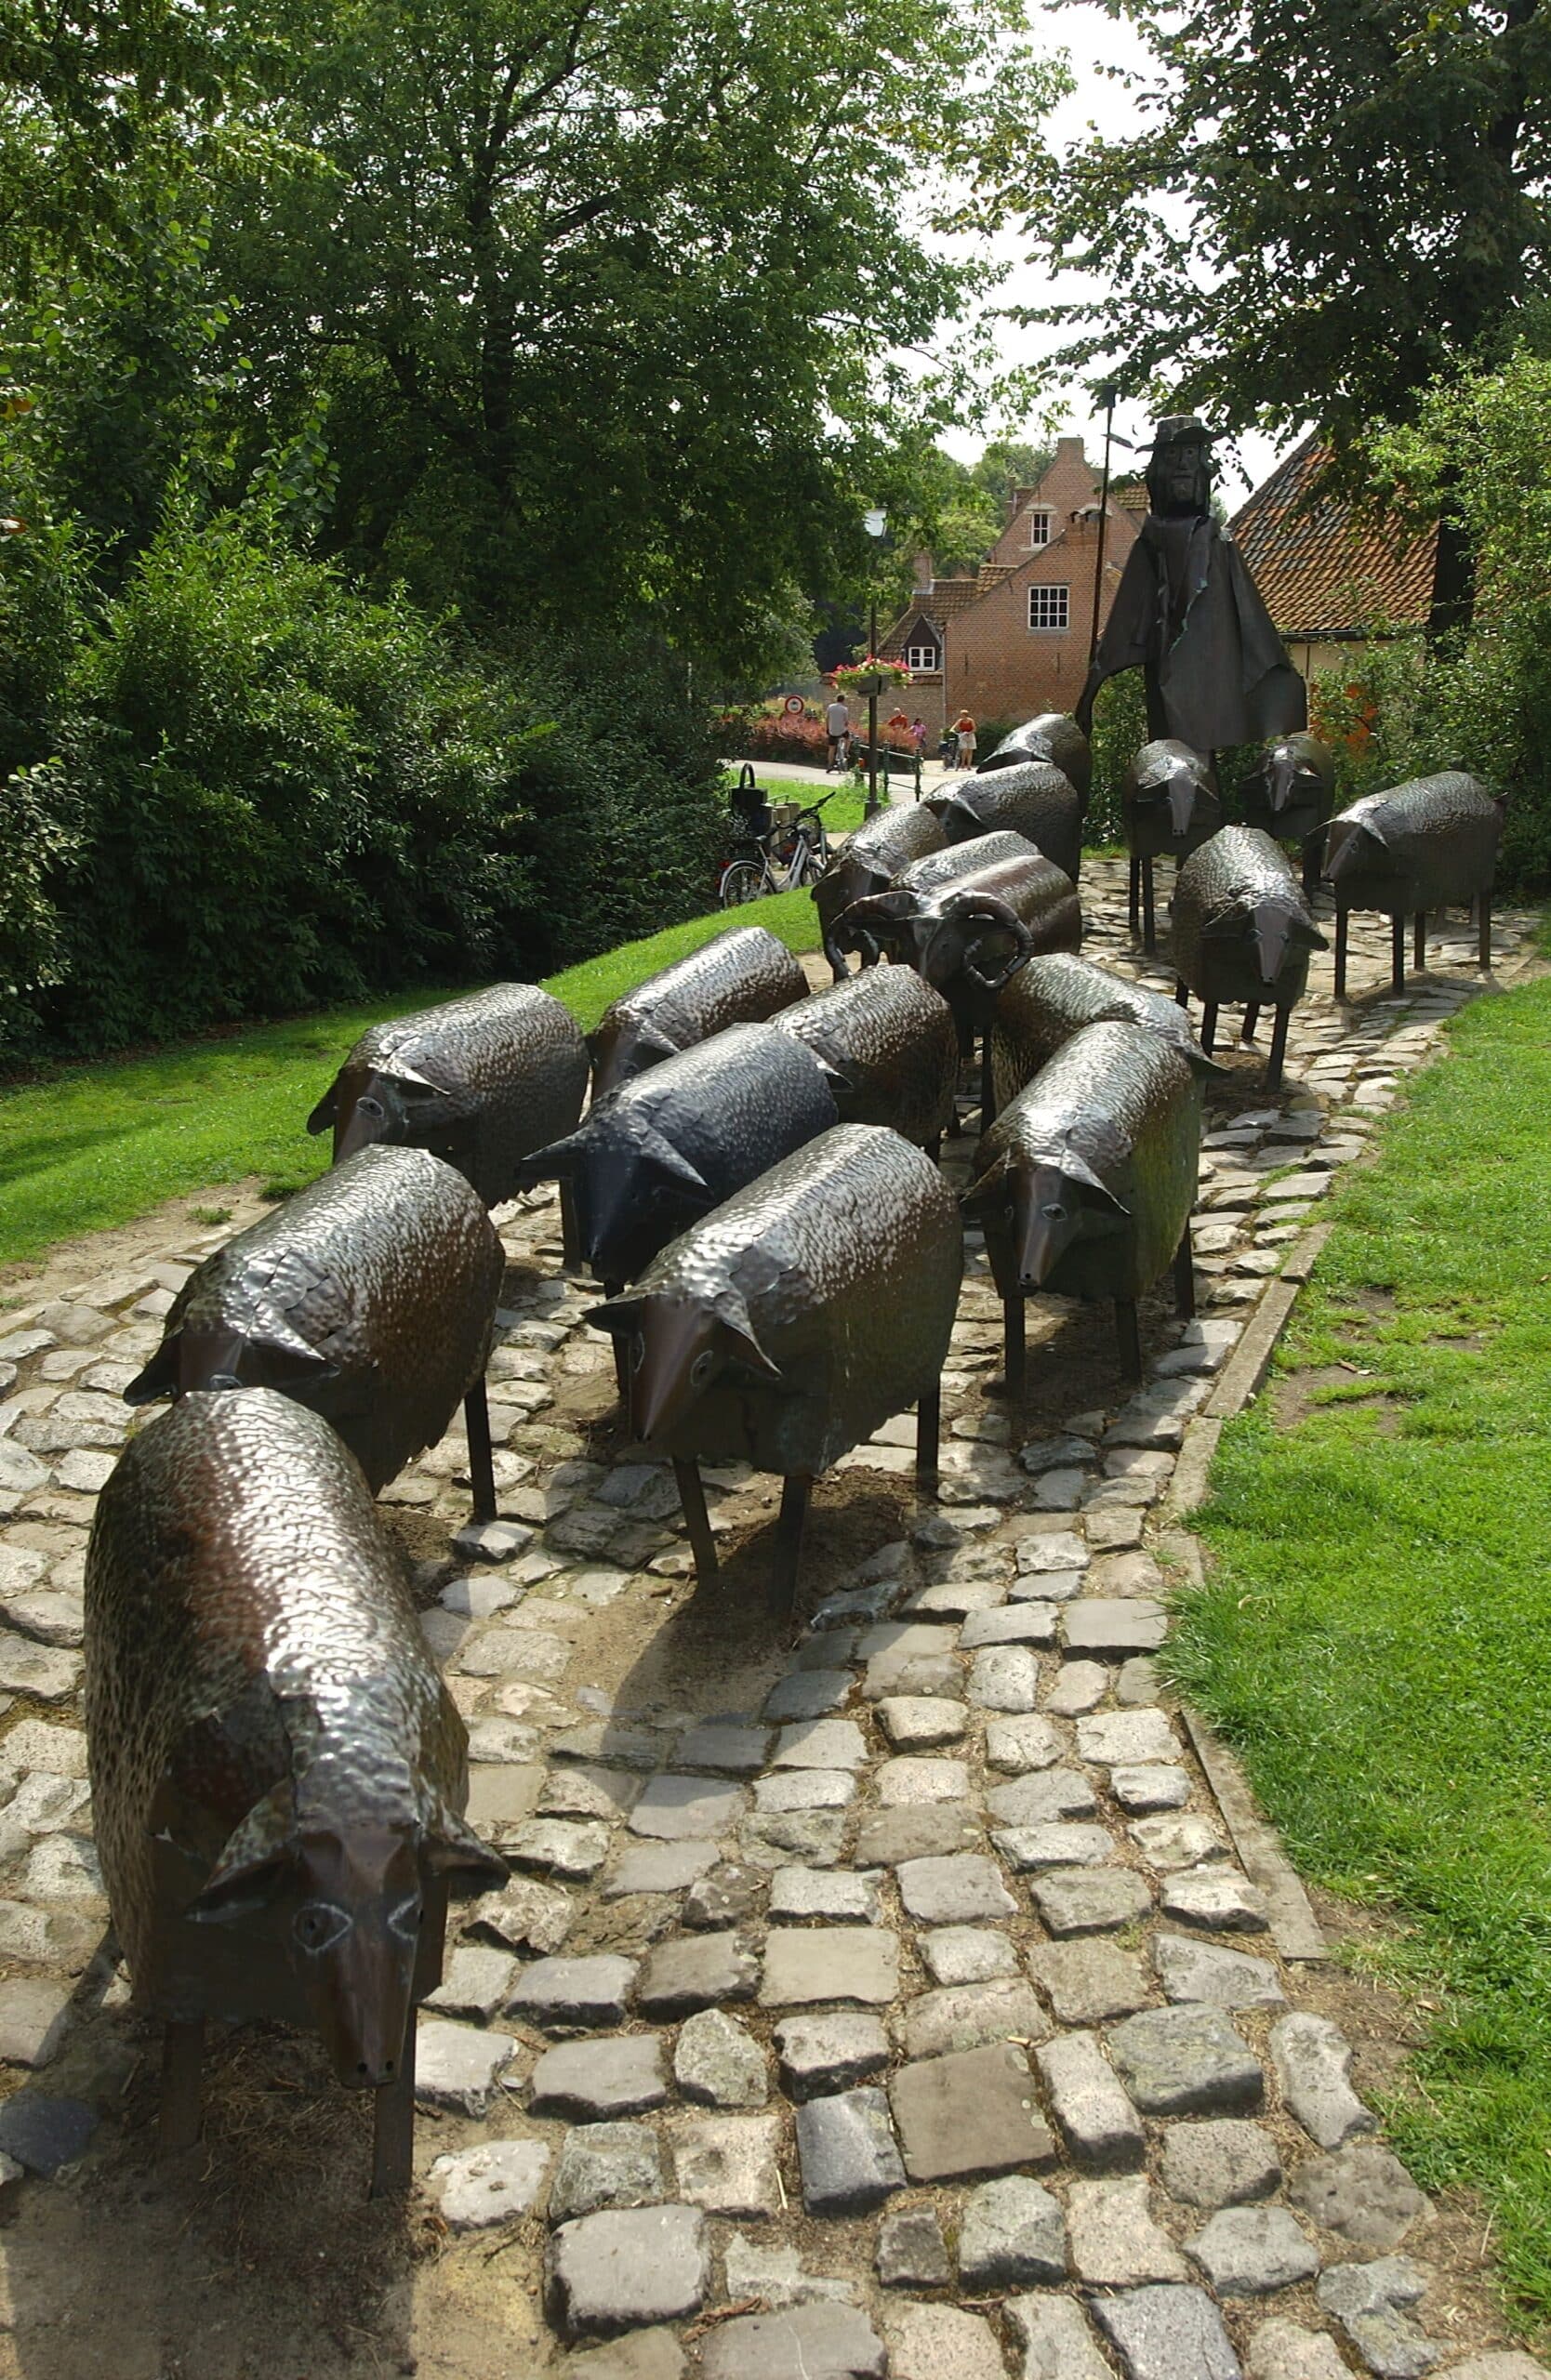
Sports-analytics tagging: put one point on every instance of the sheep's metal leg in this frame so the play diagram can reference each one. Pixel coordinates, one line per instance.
(1483, 940)
(1149, 917)
(1251, 1018)
(1208, 1024)
(393, 2124)
(1129, 1332)
(1136, 908)
(988, 1085)
(1182, 995)
(781, 1592)
(570, 1229)
(691, 1496)
(182, 2058)
(934, 1148)
(1279, 1050)
(929, 1422)
(1014, 1356)
(1311, 866)
(1419, 944)
(1343, 918)
(621, 1350)
(482, 1463)
(1397, 951)
(1185, 1275)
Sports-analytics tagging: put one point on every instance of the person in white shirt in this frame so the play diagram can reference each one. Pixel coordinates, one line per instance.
(837, 726)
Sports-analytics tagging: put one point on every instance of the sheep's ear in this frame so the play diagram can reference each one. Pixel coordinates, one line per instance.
(325, 1115)
(453, 1850)
(985, 1190)
(556, 1163)
(159, 1377)
(737, 1321)
(255, 1865)
(619, 1317)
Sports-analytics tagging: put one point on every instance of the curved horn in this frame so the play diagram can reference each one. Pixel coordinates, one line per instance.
(1001, 915)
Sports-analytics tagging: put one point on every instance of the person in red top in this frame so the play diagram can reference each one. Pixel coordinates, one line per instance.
(963, 729)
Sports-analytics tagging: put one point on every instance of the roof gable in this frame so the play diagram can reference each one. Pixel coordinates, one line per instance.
(1320, 569)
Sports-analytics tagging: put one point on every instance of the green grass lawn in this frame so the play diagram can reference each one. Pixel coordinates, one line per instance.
(101, 1145)
(1376, 1636)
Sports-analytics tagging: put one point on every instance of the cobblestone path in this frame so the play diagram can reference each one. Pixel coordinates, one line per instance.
(893, 1999)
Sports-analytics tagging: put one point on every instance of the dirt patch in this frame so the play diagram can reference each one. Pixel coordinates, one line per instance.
(62, 1270)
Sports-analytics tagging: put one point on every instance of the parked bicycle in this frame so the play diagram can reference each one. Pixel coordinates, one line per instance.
(777, 857)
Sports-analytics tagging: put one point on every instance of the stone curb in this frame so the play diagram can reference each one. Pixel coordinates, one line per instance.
(1294, 1927)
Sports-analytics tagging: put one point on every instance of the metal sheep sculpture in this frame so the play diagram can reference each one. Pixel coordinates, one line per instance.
(1243, 931)
(966, 919)
(868, 861)
(740, 977)
(480, 1082)
(1415, 848)
(1032, 799)
(278, 1773)
(369, 1297)
(785, 1329)
(1169, 804)
(650, 1159)
(1053, 737)
(1085, 1182)
(889, 1048)
(1052, 997)
(1289, 794)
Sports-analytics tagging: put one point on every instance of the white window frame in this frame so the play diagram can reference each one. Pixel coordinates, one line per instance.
(920, 659)
(1043, 598)
(1042, 520)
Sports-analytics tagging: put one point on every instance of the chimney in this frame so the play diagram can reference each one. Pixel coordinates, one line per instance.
(923, 571)
(1069, 450)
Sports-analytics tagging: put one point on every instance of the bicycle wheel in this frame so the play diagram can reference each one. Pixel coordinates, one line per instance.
(809, 867)
(742, 880)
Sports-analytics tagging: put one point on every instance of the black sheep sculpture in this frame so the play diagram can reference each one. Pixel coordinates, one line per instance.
(1415, 848)
(739, 977)
(278, 1773)
(1243, 931)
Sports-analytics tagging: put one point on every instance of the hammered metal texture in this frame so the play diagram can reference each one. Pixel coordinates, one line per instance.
(1031, 799)
(1054, 997)
(740, 977)
(1054, 736)
(1169, 801)
(1117, 1103)
(1242, 928)
(665, 1149)
(1290, 792)
(893, 1048)
(479, 1082)
(842, 1264)
(369, 1297)
(256, 1680)
(1416, 847)
(872, 856)
(959, 860)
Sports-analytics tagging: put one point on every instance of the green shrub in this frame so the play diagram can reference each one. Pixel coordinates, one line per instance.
(1119, 732)
(268, 793)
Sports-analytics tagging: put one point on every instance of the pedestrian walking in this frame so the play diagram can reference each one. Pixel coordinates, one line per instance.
(918, 736)
(963, 733)
(837, 726)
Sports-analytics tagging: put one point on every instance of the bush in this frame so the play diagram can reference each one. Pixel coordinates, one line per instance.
(1119, 732)
(268, 793)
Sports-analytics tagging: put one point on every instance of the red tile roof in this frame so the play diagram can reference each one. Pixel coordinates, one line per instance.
(1321, 570)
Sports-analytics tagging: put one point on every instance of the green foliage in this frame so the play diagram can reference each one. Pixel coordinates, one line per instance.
(269, 792)
(1376, 1634)
(1119, 732)
(1319, 210)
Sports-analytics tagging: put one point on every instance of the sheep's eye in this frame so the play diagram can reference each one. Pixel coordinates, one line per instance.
(319, 1925)
(404, 1921)
(701, 1370)
(638, 1352)
(372, 1107)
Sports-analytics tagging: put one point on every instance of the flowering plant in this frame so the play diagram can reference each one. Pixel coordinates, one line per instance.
(869, 677)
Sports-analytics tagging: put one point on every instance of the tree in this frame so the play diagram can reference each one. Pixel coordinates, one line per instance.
(1325, 207)
(607, 300)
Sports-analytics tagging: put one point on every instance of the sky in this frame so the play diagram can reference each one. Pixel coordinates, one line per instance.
(1094, 41)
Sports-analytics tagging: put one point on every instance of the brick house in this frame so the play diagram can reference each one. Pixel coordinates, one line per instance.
(1014, 639)
(1326, 576)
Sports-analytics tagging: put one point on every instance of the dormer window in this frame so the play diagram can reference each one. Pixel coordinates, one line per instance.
(920, 658)
(1039, 518)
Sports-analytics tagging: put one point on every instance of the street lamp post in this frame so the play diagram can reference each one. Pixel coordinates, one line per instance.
(874, 523)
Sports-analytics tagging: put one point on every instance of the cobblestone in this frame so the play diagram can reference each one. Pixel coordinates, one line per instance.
(974, 1700)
